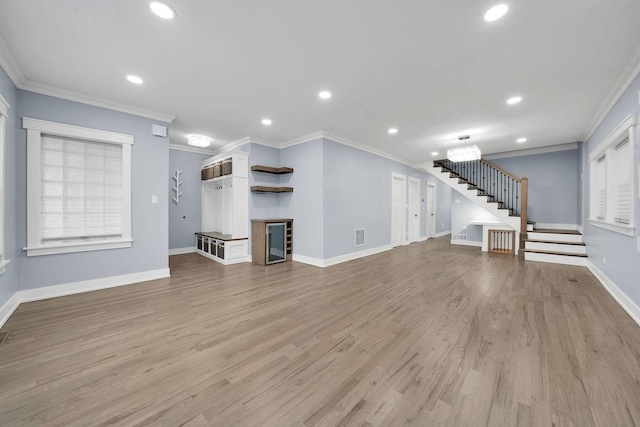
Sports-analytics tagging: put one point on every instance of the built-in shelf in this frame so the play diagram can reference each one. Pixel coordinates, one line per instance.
(269, 169)
(264, 189)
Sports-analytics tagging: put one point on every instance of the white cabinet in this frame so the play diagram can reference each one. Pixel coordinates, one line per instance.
(225, 203)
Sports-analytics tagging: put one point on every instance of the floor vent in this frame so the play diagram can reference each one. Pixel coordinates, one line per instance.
(461, 237)
(359, 237)
(573, 279)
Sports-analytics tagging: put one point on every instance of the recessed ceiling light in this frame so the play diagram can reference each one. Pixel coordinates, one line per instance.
(163, 10)
(496, 12)
(324, 94)
(199, 140)
(135, 79)
(393, 131)
(521, 140)
(266, 122)
(514, 100)
(435, 153)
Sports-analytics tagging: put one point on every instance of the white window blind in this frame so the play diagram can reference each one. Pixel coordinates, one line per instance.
(81, 189)
(599, 186)
(621, 164)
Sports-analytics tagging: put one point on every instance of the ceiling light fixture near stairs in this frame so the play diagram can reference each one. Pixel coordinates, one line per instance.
(464, 154)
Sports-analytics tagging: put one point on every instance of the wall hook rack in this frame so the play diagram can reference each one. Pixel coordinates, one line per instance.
(176, 187)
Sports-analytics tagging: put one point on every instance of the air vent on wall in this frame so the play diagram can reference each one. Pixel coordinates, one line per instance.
(359, 237)
(461, 237)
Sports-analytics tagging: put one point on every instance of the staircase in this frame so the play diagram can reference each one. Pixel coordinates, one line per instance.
(506, 196)
(499, 192)
(556, 246)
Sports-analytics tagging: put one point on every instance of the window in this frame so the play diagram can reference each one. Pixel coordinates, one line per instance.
(611, 193)
(4, 111)
(78, 188)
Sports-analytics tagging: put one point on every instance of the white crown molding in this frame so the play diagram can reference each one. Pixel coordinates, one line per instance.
(325, 135)
(191, 149)
(10, 66)
(96, 102)
(631, 71)
(246, 140)
(532, 151)
(303, 139)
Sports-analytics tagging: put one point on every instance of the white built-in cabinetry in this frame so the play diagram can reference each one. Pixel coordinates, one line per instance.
(225, 208)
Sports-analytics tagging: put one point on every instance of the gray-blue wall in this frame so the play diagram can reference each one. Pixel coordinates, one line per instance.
(623, 258)
(305, 204)
(463, 213)
(553, 184)
(185, 218)
(9, 281)
(357, 194)
(336, 189)
(150, 165)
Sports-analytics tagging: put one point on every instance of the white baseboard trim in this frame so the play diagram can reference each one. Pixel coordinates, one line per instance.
(317, 262)
(442, 233)
(551, 226)
(355, 255)
(8, 308)
(580, 229)
(625, 302)
(466, 243)
(55, 291)
(180, 251)
(422, 239)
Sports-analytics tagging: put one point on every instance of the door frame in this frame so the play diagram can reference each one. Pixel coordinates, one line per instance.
(432, 233)
(416, 238)
(403, 208)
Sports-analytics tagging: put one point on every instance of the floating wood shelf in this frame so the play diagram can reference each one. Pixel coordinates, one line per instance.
(263, 189)
(269, 169)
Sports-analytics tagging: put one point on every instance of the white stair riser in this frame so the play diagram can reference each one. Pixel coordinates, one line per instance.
(556, 247)
(573, 238)
(556, 259)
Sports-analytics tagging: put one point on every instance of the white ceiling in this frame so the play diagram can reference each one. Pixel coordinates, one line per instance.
(432, 68)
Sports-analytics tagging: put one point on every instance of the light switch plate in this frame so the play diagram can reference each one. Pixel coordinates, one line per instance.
(154, 199)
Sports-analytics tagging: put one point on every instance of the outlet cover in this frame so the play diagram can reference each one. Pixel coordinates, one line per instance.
(154, 199)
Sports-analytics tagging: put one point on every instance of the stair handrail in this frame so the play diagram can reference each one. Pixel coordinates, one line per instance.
(500, 169)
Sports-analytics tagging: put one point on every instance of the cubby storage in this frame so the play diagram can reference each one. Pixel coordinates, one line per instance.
(225, 208)
(222, 248)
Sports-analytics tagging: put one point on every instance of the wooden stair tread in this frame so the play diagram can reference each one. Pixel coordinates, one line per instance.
(552, 231)
(537, 251)
(558, 243)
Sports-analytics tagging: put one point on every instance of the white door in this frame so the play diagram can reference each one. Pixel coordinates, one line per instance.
(414, 210)
(398, 209)
(431, 210)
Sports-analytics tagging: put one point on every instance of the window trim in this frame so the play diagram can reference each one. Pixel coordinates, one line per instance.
(4, 114)
(35, 128)
(624, 130)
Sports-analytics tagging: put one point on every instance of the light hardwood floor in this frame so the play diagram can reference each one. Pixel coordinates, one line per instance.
(427, 334)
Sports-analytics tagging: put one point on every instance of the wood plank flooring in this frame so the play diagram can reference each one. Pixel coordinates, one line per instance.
(425, 335)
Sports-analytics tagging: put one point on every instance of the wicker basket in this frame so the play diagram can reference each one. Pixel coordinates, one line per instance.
(207, 173)
(226, 167)
(217, 169)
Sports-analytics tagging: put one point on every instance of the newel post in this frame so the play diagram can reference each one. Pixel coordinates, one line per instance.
(524, 187)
